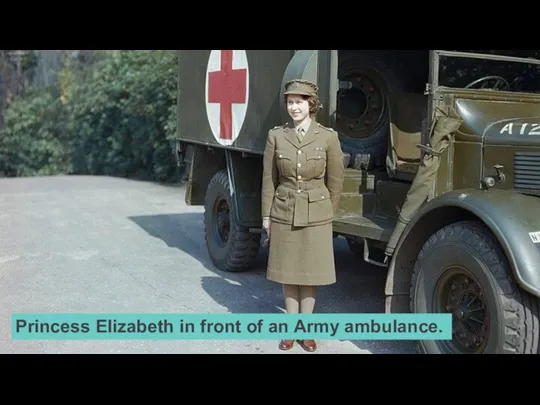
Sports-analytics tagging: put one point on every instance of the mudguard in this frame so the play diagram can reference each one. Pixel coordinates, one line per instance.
(512, 217)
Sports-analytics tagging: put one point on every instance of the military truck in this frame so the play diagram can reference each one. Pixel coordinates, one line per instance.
(442, 160)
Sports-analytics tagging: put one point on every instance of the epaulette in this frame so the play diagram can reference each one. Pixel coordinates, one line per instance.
(279, 127)
(332, 130)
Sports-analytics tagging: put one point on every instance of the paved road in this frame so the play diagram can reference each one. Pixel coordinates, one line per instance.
(99, 244)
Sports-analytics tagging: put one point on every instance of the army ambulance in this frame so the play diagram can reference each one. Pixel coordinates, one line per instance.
(442, 158)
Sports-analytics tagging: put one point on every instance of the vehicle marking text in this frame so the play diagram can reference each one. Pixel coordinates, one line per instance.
(525, 128)
(535, 236)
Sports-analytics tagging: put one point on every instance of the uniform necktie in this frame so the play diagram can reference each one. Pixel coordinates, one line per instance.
(300, 134)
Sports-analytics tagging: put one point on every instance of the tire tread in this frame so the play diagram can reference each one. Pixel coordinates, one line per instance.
(521, 310)
(244, 245)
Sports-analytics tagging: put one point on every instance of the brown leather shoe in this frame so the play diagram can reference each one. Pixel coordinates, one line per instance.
(286, 344)
(308, 345)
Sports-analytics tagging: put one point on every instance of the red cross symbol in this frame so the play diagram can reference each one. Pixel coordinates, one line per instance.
(225, 87)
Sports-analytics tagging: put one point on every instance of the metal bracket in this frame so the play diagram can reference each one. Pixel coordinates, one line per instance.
(370, 261)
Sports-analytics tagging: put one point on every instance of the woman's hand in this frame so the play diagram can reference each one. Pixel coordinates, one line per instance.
(266, 225)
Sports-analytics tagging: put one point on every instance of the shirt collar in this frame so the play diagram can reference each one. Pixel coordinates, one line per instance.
(304, 125)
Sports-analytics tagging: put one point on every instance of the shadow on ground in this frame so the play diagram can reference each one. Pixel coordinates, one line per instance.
(360, 287)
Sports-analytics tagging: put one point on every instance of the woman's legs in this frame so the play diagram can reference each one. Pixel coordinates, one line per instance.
(291, 295)
(299, 299)
(307, 299)
(307, 304)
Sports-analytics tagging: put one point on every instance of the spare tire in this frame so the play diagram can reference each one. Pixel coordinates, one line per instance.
(362, 120)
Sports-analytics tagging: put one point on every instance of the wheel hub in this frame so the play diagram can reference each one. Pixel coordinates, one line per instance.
(463, 297)
(222, 221)
(361, 108)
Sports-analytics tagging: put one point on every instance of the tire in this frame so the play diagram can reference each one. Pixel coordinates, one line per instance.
(465, 260)
(231, 247)
(366, 72)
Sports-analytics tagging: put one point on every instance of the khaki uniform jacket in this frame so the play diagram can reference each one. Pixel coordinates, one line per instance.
(302, 180)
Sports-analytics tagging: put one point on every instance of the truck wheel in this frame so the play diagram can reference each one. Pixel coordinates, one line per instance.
(362, 120)
(231, 247)
(462, 270)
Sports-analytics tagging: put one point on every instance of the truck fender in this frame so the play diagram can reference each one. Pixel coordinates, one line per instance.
(512, 218)
(245, 174)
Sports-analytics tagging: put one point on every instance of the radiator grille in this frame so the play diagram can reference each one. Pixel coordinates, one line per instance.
(527, 172)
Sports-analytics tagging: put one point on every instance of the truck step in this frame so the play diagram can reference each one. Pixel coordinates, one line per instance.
(367, 226)
(355, 203)
(357, 181)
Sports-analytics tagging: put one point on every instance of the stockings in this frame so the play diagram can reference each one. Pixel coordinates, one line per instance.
(299, 299)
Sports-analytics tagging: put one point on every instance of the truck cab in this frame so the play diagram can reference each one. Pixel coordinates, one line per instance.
(456, 205)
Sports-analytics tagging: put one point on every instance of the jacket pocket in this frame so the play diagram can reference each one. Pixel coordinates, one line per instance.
(320, 205)
(284, 162)
(280, 206)
(316, 162)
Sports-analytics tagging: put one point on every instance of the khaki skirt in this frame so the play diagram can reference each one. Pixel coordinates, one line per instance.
(301, 256)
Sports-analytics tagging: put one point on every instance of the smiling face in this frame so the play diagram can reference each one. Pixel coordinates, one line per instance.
(297, 107)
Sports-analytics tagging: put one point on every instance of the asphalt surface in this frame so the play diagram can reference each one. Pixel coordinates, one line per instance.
(100, 244)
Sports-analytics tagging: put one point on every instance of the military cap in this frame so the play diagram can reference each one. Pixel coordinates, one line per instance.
(301, 87)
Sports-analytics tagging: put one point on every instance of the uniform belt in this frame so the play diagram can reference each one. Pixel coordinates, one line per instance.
(302, 186)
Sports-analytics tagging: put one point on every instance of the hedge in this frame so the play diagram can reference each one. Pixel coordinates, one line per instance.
(116, 118)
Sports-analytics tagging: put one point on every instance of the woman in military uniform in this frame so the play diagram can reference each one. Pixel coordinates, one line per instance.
(302, 184)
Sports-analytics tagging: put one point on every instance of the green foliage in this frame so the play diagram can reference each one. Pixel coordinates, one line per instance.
(34, 140)
(118, 118)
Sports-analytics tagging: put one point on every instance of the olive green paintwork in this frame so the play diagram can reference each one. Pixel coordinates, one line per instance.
(495, 157)
(266, 75)
(462, 165)
(490, 141)
(468, 165)
(498, 129)
(264, 104)
(509, 215)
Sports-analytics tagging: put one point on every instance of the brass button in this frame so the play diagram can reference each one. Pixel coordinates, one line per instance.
(299, 152)
(298, 191)
(299, 177)
(299, 165)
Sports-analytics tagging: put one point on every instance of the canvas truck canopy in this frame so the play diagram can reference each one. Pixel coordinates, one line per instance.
(230, 98)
